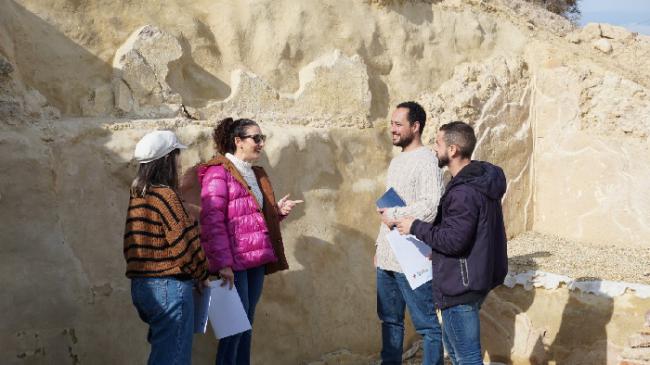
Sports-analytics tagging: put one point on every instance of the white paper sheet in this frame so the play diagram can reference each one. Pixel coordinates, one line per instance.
(201, 305)
(226, 312)
(412, 255)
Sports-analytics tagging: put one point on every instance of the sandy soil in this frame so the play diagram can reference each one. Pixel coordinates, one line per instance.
(581, 261)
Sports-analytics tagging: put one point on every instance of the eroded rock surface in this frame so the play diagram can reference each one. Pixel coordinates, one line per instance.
(333, 92)
(141, 67)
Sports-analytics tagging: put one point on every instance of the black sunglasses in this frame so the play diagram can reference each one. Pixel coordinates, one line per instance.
(257, 138)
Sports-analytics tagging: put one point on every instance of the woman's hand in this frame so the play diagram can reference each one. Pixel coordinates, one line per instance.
(227, 276)
(285, 205)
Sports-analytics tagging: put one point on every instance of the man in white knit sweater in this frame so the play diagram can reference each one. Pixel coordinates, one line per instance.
(414, 174)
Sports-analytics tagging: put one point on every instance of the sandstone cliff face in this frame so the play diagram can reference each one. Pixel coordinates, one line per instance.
(591, 152)
(563, 111)
(274, 41)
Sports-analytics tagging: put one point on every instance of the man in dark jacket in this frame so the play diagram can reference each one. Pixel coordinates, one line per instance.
(468, 240)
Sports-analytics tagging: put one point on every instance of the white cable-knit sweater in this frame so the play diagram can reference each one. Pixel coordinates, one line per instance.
(416, 177)
(246, 171)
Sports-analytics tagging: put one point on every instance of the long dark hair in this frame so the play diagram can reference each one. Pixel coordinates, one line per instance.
(162, 171)
(225, 132)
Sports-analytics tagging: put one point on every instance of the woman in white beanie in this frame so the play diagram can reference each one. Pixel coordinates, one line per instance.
(163, 254)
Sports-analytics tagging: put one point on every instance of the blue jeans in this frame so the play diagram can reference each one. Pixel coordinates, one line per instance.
(393, 295)
(167, 306)
(236, 349)
(462, 333)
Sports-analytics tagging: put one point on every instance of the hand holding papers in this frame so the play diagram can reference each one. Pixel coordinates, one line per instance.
(403, 225)
(226, 312)
(227, 277)
(390, 199)
(224, 308)
(413, 257)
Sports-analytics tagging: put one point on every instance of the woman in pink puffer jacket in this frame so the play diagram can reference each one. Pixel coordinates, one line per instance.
(240, 230)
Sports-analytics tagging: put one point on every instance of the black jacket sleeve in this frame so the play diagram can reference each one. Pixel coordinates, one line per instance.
(455, 234)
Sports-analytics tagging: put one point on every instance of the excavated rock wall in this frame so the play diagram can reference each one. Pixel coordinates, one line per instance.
(563, 111)
(70, 262)
(537, 320)
(591, 151)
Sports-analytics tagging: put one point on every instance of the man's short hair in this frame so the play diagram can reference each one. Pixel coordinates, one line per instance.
(462, 135)
(416, 113)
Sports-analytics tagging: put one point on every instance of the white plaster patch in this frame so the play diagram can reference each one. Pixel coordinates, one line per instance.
(606, 288)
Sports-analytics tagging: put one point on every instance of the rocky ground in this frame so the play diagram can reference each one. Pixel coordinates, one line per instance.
(534, 251)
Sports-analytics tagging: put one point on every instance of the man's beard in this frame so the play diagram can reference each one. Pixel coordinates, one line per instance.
(404, 141)
(443, 161)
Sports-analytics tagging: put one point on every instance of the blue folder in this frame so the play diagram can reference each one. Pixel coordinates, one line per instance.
(390, 199)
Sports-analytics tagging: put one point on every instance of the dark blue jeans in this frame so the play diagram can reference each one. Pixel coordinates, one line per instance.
(167, 306)
(393, 295)
(462, 333)
(236, 349)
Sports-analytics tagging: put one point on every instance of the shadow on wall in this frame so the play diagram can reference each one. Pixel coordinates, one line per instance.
(377, 66)
(418, 13)
(67, 190)
(68, 193)
(509, 336)
(327, 302)
(49, 61)
(582, 338)
(195, 85)
(341, 309)
(67, 74)
(379, 103)
(320, 158)
(327, 298)
(306, 312)
(500, 312)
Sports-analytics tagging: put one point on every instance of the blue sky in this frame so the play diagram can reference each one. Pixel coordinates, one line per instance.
(631, 14)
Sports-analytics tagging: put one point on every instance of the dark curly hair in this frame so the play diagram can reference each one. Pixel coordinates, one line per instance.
(416, 113)
(225, 132)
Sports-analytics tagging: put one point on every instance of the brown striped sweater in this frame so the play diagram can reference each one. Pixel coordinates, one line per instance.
(161, 239)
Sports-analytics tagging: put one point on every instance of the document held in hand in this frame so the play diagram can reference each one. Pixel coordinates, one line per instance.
(390, 199)
(412, 255)
(227, 314)
(224, 308)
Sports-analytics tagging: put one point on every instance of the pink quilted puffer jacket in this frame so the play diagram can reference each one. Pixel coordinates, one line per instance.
(233, 230)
